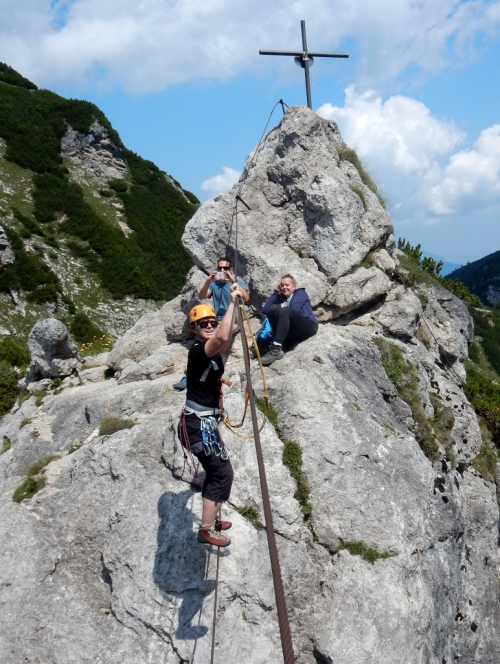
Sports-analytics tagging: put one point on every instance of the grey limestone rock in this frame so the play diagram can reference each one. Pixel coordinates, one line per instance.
(384, 261)
(52, 351)
(95, 153)
(6, 253)
(400, 313)
(358, 289)
(102, 564)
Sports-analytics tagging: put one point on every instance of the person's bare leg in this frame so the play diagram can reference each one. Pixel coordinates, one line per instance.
(209, 514)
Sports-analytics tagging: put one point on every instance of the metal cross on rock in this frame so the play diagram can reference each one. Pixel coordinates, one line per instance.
(305, 59)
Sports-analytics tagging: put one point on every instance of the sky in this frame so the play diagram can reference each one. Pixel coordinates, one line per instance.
(183, 83)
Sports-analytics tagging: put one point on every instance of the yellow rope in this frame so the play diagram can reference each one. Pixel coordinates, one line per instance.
(231, 425)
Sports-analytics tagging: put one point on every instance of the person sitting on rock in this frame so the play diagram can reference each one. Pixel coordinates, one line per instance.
(291, 317)
(201, 415)
(219, 291)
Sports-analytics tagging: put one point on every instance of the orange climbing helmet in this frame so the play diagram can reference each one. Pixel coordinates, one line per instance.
(199, 312)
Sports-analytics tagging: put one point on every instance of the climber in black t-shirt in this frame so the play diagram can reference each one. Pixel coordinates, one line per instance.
(201, 415)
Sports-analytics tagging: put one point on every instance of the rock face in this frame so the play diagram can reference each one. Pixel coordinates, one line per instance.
(100, 158)
(6, 254)
(53, 353)
(304, 217)
(102, 564)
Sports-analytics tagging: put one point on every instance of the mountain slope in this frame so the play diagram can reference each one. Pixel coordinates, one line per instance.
(93, 226)
(482, 277)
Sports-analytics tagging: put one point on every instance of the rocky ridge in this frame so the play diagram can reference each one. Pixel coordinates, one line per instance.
(102, 564)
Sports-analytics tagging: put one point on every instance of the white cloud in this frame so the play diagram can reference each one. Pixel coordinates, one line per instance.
(471, 177)
(415, 157)
(150, 44)
(222, 182)
(400, 133)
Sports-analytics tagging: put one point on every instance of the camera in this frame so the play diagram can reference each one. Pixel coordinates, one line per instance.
(220, 276)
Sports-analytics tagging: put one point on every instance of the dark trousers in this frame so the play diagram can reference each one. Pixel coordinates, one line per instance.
(289, 326)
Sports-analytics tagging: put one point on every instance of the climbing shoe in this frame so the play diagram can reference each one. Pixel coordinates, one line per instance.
(211, 535)
(273, 354)
(222, 525)
(182, 384)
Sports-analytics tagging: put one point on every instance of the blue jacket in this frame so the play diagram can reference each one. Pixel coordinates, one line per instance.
(300, 302)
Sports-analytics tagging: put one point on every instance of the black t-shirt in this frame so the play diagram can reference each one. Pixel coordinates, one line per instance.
(205, 393)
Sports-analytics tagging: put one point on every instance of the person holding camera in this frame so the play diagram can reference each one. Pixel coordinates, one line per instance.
(218, 285)
(291, 317)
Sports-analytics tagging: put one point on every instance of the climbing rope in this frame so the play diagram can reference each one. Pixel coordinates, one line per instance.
(231, 425)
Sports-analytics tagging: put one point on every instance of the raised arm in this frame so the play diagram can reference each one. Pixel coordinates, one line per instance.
(205, 289)
(220, 341)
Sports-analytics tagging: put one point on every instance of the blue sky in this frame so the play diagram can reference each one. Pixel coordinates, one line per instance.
(182, 82)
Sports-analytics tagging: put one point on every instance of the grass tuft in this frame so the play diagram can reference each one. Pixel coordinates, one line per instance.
(366, 552)
(272, 415)
(251, 513)
(111, 425)
(292, 459)
(33, 480)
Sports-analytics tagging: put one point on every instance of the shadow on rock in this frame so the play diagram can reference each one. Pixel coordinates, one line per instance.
(181, 563)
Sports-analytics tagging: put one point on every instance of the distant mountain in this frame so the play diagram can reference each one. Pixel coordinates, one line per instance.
(91, 231)
(482, 277)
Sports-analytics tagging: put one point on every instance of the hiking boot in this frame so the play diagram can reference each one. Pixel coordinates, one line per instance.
(222, 525)
(182, 384)
(273, 354)
(210, 535)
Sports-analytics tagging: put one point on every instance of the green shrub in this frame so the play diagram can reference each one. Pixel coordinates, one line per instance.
(427, 270)
(111, 425)
(9, 389)
(29, 273)
(33, 480)
(13, 353)
(118, 185)
(83, 329)
(12, 77)
(487, 326)
(367, 553)
(191, 197)
(484, 396)
(251, 514)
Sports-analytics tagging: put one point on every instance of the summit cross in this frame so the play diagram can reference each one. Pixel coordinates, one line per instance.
(305, 59)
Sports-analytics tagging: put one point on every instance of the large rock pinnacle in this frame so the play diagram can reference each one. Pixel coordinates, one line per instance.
(306, 216)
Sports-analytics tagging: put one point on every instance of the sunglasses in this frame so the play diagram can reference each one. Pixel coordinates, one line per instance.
(223, 268)
(208, 323)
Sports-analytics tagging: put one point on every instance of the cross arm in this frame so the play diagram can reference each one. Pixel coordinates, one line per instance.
(302, 53)
(281, 53)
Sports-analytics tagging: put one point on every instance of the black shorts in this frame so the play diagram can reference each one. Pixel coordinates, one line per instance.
(219, 477)
(219, 472)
